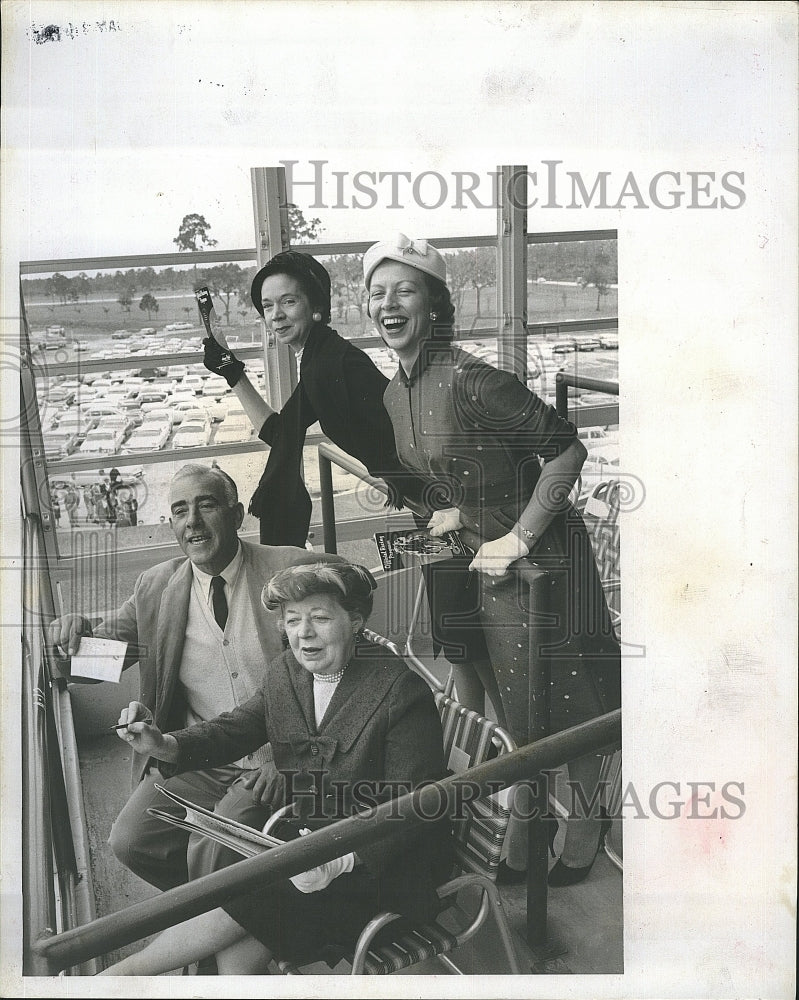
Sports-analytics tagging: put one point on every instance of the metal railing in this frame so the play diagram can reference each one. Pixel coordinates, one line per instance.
(57, 885)
(60, 951)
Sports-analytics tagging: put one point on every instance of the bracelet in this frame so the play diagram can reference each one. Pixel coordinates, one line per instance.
(529, 537)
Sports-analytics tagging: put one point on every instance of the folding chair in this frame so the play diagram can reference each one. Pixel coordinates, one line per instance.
(469, 739)
(600, 513)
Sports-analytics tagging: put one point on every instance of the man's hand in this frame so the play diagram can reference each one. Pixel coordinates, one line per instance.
(66, 632)
(268, 786)
(494, 558)
(222, 361)
(140, 732)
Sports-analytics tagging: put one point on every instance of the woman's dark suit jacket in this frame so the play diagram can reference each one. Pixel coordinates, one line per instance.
(382, 725)
(341, 388)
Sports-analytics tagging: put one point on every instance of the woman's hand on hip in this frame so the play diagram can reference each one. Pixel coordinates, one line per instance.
(494, 558)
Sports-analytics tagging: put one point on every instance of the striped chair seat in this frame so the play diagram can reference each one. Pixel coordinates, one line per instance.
(424, 942)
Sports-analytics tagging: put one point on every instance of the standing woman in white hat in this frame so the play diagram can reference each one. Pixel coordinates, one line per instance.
(507, 463)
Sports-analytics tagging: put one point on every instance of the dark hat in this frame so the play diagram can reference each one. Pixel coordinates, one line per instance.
(313, 278)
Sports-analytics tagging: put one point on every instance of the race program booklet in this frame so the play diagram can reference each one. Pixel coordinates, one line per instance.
(398, 548)
(237, 836)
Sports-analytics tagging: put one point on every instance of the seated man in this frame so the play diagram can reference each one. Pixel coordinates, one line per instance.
(202, 639)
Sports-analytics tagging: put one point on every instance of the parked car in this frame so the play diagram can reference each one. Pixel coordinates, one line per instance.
(233, 429)
(117, 393)
(193, 382)
(177, 372)
(609, 341)
(187, 407)
(58, 444)
(183, 396)
(588, 344)
(179, 326)
(152, 399)
(58, 396)
(82, 345)
(76, 421)
(100, 409)
(131, 409)
(151, 436)
(214, 386)
(148, 331)
(102, 441)
(85, 394)
(192, 434)
(164, 383)
(121, 334)
(564, 347)
(121, 422)
(159, 414)
(195, 412)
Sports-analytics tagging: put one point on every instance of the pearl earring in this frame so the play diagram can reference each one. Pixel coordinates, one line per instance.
(317, 317)
(433, 317)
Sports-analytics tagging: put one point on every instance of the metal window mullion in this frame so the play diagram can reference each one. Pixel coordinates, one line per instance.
(33, 474)
(270, 215)
(512, 270)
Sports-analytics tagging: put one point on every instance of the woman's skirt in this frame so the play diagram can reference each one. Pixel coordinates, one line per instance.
(548, 632)
(310, 927)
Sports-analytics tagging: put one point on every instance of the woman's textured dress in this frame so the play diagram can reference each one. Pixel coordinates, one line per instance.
(480, 436)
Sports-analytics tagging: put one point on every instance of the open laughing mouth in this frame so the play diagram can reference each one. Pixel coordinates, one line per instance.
(393, 323)
(198, 539)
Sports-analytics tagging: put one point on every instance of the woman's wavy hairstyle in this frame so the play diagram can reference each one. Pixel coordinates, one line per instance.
(442, 305)
(352, 586)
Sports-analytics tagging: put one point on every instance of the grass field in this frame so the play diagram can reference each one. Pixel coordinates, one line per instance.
(95, 319)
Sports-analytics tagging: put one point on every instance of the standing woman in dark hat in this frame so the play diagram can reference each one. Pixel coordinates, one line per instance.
(508, 462)
(339, 386)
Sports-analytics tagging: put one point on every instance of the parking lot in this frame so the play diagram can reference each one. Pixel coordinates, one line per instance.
(157, 408)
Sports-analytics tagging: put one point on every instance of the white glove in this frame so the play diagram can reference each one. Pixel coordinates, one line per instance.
(320, 878)
(444, 520)
(494, 558)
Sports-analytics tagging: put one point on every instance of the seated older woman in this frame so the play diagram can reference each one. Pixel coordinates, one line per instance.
(348, 711)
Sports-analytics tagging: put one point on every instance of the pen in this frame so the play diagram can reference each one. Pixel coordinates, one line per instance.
(124, 725)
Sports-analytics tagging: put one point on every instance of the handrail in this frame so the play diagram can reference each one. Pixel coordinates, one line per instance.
(329, 455)
(438, 798)
(565, 379)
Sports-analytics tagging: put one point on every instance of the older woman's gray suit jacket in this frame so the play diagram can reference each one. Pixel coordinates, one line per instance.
(382, 726)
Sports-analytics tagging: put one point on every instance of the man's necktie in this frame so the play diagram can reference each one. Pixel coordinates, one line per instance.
(219, 601)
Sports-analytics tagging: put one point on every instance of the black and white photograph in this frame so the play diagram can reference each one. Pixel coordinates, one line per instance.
(399, 499)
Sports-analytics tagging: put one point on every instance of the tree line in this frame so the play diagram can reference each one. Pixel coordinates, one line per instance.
(589, 264)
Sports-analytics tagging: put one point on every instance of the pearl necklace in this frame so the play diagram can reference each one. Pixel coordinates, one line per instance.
(330, 678)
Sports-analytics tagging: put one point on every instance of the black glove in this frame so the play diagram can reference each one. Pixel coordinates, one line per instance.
(222, 361)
